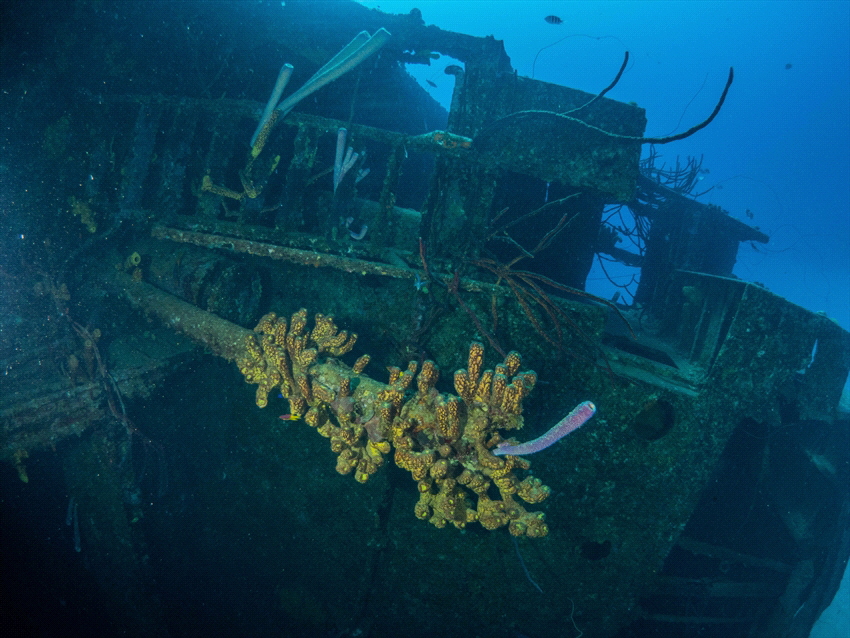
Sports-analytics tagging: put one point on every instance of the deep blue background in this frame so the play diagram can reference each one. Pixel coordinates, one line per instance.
(781, 145)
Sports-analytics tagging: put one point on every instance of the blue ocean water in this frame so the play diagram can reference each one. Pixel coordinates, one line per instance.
(778, 149)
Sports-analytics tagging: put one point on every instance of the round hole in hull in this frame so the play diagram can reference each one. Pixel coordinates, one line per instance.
(655, 420)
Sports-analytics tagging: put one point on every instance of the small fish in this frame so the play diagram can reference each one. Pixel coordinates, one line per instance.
(289, 417)
(420, 284)
(430, 83)
(788, 66)
(553, 20)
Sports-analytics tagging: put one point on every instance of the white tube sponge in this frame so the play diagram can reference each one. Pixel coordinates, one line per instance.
(340, 156)
(279, 86)
(351, 55)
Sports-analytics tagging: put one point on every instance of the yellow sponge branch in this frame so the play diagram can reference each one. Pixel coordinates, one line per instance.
(444, 441)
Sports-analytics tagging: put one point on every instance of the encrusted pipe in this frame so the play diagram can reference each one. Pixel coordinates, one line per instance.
(222, 337)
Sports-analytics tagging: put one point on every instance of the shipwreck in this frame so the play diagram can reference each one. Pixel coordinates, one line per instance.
(204, 242)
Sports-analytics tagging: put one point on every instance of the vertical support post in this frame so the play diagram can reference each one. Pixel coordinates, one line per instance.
(293, 215)
(384, 233)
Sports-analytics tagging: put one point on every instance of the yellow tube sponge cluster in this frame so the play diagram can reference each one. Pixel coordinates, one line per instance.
(281, 356)
(445, 441)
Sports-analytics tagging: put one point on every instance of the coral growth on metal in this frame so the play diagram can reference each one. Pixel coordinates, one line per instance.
(444, 440)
